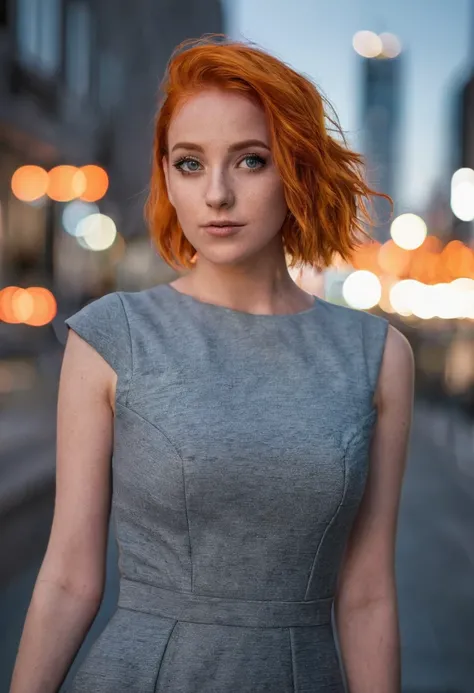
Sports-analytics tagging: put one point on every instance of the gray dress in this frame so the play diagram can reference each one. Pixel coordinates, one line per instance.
(240, 458)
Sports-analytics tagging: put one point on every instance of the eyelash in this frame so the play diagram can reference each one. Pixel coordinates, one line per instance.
(177, 164)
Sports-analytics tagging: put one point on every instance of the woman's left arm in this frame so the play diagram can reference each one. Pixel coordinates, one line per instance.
(365, 604)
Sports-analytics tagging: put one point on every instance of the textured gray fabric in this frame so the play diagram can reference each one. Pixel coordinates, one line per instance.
(240, 458)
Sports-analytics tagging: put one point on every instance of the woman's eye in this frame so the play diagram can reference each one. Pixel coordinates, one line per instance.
(253, 161)
(191, 165)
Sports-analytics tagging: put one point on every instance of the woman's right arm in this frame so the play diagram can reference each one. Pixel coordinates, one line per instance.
(70, 583)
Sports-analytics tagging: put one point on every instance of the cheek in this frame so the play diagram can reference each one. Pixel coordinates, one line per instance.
(183, 196)
(270, 200)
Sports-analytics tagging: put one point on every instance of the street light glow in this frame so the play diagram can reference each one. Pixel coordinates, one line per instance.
(96, 232)
(408, 231)
(462, 194)
(391, 46)
(362, 289)
(367, 44)
(371, 45)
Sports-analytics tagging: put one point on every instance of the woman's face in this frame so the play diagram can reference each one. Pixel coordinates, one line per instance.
(220, 169)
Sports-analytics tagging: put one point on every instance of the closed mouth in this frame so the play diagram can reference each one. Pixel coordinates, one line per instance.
(222, 224)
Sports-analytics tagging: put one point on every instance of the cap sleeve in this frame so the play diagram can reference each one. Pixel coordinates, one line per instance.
(103, 324)
(374, 336)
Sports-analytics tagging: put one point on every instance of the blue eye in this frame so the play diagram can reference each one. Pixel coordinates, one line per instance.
(179, 165)
(257, 161)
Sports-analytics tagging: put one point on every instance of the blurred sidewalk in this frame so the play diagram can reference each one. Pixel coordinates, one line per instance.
(435, 553)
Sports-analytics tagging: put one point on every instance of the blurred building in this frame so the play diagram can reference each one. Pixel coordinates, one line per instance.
(380, 112)
(464, 148)
(79, 85)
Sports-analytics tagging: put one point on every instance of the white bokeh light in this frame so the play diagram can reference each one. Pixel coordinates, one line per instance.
(462, 194)
(96, 232)
(408, 231)
(401, 296)
(391, 46)
(367, 44)
(362, 289)
(74, 212)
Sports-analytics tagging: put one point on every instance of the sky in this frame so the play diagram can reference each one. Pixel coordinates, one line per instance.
(315, 38)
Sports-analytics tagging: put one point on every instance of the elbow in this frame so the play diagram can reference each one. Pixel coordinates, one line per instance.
(82, 587)
(348, 604)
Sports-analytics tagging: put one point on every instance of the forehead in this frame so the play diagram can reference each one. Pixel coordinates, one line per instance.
(213, 115)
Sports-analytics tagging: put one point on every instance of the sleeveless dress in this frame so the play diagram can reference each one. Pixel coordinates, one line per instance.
(241, 449)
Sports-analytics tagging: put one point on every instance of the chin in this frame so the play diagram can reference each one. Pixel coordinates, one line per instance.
(225, 256)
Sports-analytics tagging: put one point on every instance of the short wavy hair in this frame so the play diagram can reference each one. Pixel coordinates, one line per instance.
(326, 193)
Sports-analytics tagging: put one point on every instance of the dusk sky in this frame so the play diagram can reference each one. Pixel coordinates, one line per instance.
(315, 37)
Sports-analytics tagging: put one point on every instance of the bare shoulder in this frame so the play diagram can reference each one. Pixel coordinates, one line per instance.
(396, 381)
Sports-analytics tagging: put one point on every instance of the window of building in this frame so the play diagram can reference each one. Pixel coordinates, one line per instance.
(78, 48)
(39, 35)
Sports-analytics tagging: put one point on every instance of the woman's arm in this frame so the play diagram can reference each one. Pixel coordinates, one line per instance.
(70, 582)
(366, 601)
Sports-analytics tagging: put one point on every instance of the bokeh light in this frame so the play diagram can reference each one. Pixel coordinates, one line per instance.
(391, 46)
(462, 194)
(362, 289)
(97, 183)
(35, 306)
(6, 310)
(29, 183)
(367, 44)
(408, 231)
(394, 260)
(96, 232)
(44, 306)
(66, 183)
(74, 212)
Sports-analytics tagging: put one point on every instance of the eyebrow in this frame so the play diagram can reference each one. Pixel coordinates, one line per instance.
(238, 146)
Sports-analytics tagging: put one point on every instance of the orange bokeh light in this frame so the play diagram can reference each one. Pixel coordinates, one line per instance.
(35, 306)
(97, 183)
(44, 306)
(66, 183)
(394, 260)
(6, 309)
(22, 305)
(29, 183)
(365, 257)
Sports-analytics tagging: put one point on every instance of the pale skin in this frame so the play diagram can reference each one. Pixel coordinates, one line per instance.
(247, 272)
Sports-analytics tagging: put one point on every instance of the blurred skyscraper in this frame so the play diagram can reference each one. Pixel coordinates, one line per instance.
(380, 111)
(464, 139)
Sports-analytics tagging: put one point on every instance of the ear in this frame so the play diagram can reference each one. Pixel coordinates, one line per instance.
(164, 163)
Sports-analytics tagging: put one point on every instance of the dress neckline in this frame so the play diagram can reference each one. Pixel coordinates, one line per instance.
(213, 307)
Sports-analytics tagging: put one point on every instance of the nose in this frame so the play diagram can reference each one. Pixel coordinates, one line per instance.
(219, 192)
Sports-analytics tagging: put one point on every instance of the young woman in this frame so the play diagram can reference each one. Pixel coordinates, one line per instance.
(258, 435)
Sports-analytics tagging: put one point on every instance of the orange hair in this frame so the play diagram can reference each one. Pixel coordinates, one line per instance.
(323, 179)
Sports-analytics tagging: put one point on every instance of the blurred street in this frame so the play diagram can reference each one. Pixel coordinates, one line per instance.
(435, 549)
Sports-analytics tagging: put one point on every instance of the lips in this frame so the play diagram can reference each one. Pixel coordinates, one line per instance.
(221, 230)
(225, 223)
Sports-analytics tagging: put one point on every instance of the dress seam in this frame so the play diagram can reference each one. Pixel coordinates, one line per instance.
(187, 522)
(207, 623)
(157, 428)
(163, 656)
(233, 599)
(333, 519)
(180, 458)
(132, 365)
(293, 662)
